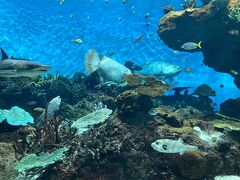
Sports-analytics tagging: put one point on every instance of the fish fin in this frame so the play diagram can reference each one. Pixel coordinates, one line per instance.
(199, 45)
(92, 61)
(4, 55)
(180, 140)
(181, 152)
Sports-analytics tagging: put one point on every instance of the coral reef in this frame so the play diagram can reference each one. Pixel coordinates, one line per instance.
(91, 120)
(192, 165)
(120, 147)
(171, 118)
(232, 126)
(210, 24)
(133, 108)
(167, 9)
(44, 159)
(147, 85)
(16, 116)
(234, 12)
(189, 4)
(7, 160)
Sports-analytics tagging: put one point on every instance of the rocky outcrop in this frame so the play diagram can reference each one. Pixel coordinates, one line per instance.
(231, 108)
(213, 25)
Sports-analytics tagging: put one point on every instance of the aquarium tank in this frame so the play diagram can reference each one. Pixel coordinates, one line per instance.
(120, 90)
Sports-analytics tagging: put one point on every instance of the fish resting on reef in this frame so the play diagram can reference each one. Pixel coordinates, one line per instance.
(107, 69)
(17, 67)
(160, 69)
(172, 146)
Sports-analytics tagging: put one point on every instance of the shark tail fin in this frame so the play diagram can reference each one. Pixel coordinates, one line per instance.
(92, 61)
(4, 55)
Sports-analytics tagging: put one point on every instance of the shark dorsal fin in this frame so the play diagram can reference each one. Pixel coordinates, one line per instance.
(4, 55)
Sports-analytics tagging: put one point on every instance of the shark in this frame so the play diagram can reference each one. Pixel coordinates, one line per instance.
(17, 67)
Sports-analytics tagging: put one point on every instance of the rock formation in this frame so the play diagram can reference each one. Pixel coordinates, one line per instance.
(216, 24)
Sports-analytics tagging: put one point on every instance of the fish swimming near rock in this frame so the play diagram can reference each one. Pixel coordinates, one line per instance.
(191, 45)
(172, 146)
(17, 67)
(107, 69)
(160, 69)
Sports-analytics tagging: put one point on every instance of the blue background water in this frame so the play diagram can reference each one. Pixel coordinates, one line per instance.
(42, 30)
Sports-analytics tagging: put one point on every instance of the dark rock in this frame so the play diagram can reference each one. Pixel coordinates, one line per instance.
(214, 163)
(204, 90)
(178, 90)
(224, 147)
(92, 80)
(192, 165)
(70, 92)
(231, 107)
(79, 78)
(133, 108)
(172, 118)
(210, 24)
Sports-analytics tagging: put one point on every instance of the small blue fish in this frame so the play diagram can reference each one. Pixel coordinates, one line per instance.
(191, 45)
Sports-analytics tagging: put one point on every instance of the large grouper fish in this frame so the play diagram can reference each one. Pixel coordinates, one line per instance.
(18, 67)
(107, 69)
(160, 69)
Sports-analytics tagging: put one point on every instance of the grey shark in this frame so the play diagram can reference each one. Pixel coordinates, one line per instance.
(17, 67)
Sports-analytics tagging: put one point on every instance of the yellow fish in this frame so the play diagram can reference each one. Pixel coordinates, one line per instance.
(78, 41)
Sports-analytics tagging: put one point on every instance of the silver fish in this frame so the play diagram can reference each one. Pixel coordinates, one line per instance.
(191, 45)
(172, 146)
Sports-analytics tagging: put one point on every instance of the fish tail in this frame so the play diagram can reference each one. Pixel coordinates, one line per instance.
(92, 61)
(199, 45)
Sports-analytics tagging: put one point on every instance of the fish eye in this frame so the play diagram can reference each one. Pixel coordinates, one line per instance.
(164, 147)
(157, 143)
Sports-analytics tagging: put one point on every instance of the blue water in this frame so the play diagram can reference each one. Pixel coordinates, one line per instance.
(43, 30)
